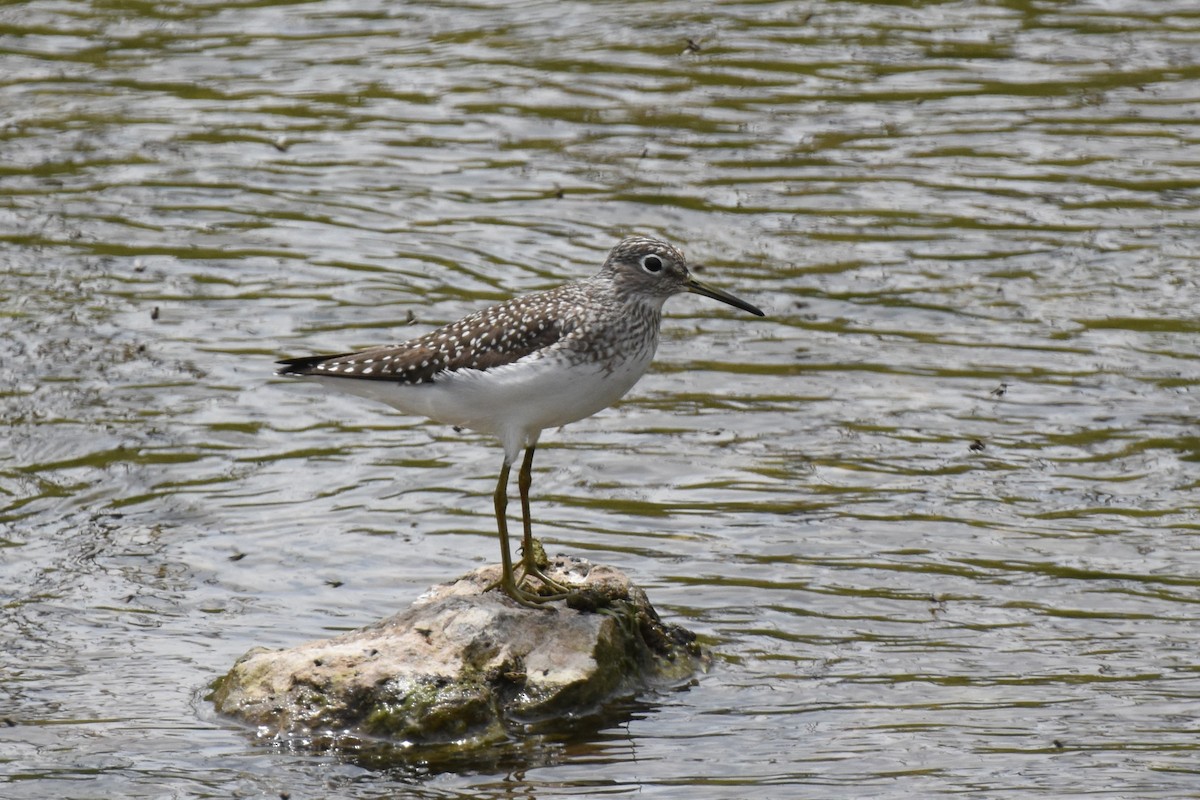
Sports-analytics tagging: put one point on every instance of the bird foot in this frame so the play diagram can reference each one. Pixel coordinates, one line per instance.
(533, 559)
(525, 597)
(559, 590)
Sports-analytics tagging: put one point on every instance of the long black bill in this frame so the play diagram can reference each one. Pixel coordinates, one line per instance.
(696, 287)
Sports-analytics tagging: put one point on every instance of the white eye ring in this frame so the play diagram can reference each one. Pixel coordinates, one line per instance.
(652, 263)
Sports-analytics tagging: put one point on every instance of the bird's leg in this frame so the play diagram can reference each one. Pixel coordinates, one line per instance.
(508, 581)
(528, 557)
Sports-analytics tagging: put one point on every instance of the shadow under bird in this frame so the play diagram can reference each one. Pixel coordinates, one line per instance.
(534, 362)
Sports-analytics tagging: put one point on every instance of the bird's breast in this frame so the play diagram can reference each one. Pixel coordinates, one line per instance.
(515, 401)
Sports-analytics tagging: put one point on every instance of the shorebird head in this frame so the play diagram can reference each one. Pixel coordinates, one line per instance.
(654, 270)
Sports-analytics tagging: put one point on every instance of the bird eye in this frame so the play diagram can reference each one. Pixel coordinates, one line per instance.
(652, 263)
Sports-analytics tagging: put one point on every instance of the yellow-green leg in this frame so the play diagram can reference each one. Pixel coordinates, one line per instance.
(508, 580)
(524, 481)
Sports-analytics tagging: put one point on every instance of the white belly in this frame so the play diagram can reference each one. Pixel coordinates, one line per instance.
(514, 402)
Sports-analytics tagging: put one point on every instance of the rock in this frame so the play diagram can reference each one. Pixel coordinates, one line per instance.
(464, 666)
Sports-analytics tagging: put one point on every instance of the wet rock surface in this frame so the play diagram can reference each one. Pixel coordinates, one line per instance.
(465, 667)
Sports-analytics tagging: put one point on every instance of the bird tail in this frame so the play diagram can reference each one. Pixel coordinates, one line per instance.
(304, 365)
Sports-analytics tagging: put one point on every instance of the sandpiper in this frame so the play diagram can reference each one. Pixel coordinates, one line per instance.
(534, 362)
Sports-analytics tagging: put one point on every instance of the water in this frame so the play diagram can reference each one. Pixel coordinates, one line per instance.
(935, 515)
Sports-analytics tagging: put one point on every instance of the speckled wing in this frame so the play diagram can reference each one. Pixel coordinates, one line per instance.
(493, 337)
